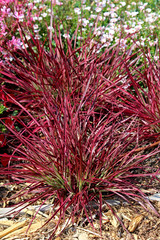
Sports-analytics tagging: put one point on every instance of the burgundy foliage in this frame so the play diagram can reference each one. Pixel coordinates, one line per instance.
(80, 125)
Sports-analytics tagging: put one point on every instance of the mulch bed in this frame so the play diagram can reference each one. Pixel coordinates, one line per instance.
(141, 224)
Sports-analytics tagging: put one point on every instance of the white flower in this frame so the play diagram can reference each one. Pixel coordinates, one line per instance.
(137, 28)
(112, 5)
(44, 15)
(68, 17)
(141, 7)
(133, 14)
(113, 14)
(113, 20)
(145, 4)
(65, 35)
(103, 39)
(123, 4)
(85, 22)
(36, 30)
(77, 10)
(35, 26)
(28, 37)
(98, 32)
(25, 46)
(106, 14)
(30, 5)
(156, 58)
(131, 30)
(35, 18)
(59, 3)
(87, 8)
(50, 28)
(148, 10)
(80, 38)
(111, 31)
(37, 36)
(93, 16)
(98, 9)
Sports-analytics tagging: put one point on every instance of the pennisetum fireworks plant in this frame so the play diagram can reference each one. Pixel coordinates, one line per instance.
(75, 143)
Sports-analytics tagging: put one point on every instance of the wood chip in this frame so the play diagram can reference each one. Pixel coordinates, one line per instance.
(114, 221)
(57, 238)
(13, 228)
(134, 223)
(23, 231)
(6, 222)
(83, 236)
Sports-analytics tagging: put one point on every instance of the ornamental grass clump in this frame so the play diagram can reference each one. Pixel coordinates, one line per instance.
(140, 96)
(72, 146)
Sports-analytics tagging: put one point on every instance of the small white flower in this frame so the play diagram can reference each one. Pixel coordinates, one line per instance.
(123, 4)
(137, 28)
(93, 16)
(98, 9)
(35, 18)
(103, 39)
(50, 28)
(77, 10)
(65, 35)
(112, 5)
(91, 24)
(68, 17)
(30, 5)
(133, 14)
(87, 8)
(148, 10)
(113, 14)
(131, 30)
(106, 14)
(85, 22)
(25, 46)
(98, 33)
(35, 26)
(28, 37)
(156, 58)
(34, 8)
(141, 7)
(44, 15)
(113, 20)
(37, 37)
(36, 30)
(111, 31)
(145, 4)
